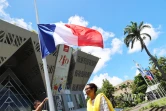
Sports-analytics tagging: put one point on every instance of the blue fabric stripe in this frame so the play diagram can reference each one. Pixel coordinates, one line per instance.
(47, 44)
(142, 73)
(150, 74)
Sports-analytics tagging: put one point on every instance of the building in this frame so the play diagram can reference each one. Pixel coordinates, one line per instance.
(22, 77)
(122, 88)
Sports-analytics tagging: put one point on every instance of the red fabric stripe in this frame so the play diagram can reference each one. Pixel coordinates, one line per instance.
(149, 77)
(86, 36)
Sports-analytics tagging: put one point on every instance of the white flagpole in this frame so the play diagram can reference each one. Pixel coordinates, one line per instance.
(46, 75)
(156, 89)
(150, 88)
(156, 80)
(146, 82)
(156, 83)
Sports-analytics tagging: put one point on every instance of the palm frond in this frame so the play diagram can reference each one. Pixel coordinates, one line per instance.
(127, 30)
(144, 38)
(144, 26)
(126, 42)
(135, 24)
(133, 34)
(132, 22)
(140, 25)
(147, 35)
(132, 43)
(129, 39)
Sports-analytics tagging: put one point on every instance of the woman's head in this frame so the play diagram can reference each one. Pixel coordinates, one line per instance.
(36, 103)
(90, 89)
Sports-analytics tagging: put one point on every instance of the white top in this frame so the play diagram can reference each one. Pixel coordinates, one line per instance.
(103, 104)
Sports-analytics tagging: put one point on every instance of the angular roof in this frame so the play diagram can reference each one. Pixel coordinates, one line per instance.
(152, 88)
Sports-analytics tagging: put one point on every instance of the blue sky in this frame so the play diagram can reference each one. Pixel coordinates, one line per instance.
(110, 18)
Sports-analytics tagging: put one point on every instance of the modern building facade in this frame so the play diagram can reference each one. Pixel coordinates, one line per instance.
(22, 77)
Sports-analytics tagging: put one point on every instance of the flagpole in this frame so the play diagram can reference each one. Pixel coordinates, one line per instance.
(46, 75)
(150, 88)
(155, 81)
(161, 88)
(146, 81)
(156, 89)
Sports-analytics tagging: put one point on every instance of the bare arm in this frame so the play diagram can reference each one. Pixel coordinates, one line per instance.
(39, 108)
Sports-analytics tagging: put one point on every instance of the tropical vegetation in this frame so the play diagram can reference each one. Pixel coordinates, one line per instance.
(157, 66)
(135, 33)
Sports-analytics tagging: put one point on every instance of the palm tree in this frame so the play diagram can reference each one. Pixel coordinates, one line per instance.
(134, 34)
(152, 63)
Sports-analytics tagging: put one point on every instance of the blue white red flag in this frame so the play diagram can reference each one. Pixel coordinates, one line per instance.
(51, 35)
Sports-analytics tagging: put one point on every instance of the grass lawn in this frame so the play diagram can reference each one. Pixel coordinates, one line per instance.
(152, 104)
(156, 104)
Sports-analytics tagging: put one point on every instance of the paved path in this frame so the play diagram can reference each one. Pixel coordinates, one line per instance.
(82, 109)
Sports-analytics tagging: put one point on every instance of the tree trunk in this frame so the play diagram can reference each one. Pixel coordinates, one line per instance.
(155, 62)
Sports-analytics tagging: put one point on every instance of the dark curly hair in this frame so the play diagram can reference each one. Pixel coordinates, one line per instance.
(92, 85)
(35, 102)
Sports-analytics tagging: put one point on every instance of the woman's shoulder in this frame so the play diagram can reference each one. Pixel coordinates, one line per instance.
(101, 95)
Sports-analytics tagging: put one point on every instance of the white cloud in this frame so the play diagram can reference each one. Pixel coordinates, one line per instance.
(126, 77)
(116, 46)
(17, 21)
(154, 32)
(160, 51)
(104, 54)
(77, 20)
(98, 80)
(3, 4)
(105, 34)
(137, 72)
(21, 23)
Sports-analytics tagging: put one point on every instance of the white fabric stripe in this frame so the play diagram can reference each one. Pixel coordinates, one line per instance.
(64, 35)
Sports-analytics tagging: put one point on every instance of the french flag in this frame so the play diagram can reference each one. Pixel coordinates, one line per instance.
(51, 35)
(149, 75)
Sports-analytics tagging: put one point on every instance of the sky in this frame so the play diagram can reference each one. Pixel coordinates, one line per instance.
(109, 17)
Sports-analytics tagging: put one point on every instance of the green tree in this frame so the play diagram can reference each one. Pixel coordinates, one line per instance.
(98, 91)
(162, 63)
(139, 85)
(134, 33)
(107, 88)
(154, 70)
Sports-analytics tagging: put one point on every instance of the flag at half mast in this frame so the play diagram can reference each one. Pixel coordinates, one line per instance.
(51, 35)
(149, 75)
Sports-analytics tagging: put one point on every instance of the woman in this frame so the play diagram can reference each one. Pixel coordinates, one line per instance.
(39, 105)
(97, 102)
